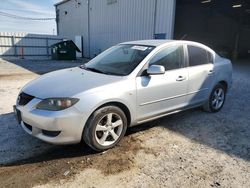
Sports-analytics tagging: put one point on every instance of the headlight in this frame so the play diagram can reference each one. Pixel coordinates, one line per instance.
(56, 104)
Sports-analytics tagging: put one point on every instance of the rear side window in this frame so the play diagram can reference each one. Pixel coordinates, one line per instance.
(170, 57)
(198, 56)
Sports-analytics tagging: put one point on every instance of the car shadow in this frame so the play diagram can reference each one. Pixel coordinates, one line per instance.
(198, 126)
(17, 147)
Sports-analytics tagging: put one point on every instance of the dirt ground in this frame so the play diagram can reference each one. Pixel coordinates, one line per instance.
(188, 149)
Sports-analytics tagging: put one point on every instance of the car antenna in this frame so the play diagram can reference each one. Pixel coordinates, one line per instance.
(183, 37)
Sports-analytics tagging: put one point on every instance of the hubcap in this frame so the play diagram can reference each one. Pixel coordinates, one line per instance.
(218, 98)
(108, 129)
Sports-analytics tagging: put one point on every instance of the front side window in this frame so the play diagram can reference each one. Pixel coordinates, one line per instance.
(198, 56)
(170, 57)
(120, 60)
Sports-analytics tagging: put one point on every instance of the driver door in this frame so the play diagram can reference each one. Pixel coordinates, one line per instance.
(159, 94)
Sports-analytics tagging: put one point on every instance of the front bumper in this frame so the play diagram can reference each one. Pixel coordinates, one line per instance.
(56, 127)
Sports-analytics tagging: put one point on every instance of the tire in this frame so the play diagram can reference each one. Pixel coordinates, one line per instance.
(216, 99)
(105, 128)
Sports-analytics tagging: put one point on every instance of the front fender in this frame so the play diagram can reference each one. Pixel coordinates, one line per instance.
(89, 102)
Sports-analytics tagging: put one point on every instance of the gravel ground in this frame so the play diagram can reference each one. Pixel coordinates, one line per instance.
(29, 66)
(188, 149)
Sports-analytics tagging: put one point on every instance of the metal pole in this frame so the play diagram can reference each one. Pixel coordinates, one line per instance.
(89, 26)
(82, 46)
(14, 45)
(173, 20)
(155, 12)
(47, 46)
(57, 20)
(236, 47)
(22, 53)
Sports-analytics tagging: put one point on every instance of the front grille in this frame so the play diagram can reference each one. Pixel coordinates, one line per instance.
(24, 99)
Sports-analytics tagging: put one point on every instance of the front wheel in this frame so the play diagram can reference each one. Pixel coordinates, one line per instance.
(216, 99)
(105, 128)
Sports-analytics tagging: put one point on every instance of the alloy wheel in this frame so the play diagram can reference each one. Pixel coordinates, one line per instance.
(108, 129)
(218, 98)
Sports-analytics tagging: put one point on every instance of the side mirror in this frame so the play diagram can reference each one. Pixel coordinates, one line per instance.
(156, 69)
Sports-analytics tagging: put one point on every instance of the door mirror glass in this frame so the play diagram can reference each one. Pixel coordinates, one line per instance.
(156, 69)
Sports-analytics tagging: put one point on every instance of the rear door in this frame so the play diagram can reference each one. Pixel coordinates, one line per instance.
(200, 74)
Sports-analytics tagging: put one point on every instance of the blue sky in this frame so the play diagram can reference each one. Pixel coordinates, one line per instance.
(28, 8)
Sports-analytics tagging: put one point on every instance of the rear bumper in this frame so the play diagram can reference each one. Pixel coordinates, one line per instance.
(56, 127)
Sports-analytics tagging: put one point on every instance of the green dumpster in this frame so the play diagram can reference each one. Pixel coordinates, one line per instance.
(65, 50)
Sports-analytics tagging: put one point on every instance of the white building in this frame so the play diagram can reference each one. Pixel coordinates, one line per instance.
(222, 25)
(103, 23)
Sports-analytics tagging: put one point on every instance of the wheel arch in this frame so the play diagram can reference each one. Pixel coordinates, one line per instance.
(120, 105)
(225, 84)
(87, 133)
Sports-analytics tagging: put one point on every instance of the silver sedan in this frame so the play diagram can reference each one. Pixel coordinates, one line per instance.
(128, 84)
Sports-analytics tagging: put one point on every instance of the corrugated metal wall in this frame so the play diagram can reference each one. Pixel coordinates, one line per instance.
(165, 17)
(124, 20)
(121, 21)
(115, 21)
(73, 21)
(16, 44)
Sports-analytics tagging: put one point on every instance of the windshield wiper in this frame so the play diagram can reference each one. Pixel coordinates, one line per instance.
(91, 69)
(94, 70)
(99, 71)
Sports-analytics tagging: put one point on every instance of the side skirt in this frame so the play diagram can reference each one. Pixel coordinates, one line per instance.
(167, 113)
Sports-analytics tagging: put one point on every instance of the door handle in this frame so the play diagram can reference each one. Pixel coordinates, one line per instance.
(210, 72)
(181, 78)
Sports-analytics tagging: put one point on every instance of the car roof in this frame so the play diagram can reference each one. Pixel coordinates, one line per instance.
(157, 42)
(148, 42)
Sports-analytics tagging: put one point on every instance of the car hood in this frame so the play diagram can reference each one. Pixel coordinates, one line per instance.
(67, 83)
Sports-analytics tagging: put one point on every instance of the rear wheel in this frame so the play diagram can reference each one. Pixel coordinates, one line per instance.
(216, 99)
(105, 128)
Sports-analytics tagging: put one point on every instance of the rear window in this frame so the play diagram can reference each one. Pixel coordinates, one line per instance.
(198, 56)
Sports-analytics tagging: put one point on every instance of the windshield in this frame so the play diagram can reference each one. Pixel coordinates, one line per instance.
(119, 60)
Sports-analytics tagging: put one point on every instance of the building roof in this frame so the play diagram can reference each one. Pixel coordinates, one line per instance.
(148, 42)
(61, 2)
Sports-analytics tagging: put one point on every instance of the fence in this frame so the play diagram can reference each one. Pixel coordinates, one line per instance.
(22, 44)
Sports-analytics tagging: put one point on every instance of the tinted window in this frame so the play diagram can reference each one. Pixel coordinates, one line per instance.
(197, 56)
(170, 57)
